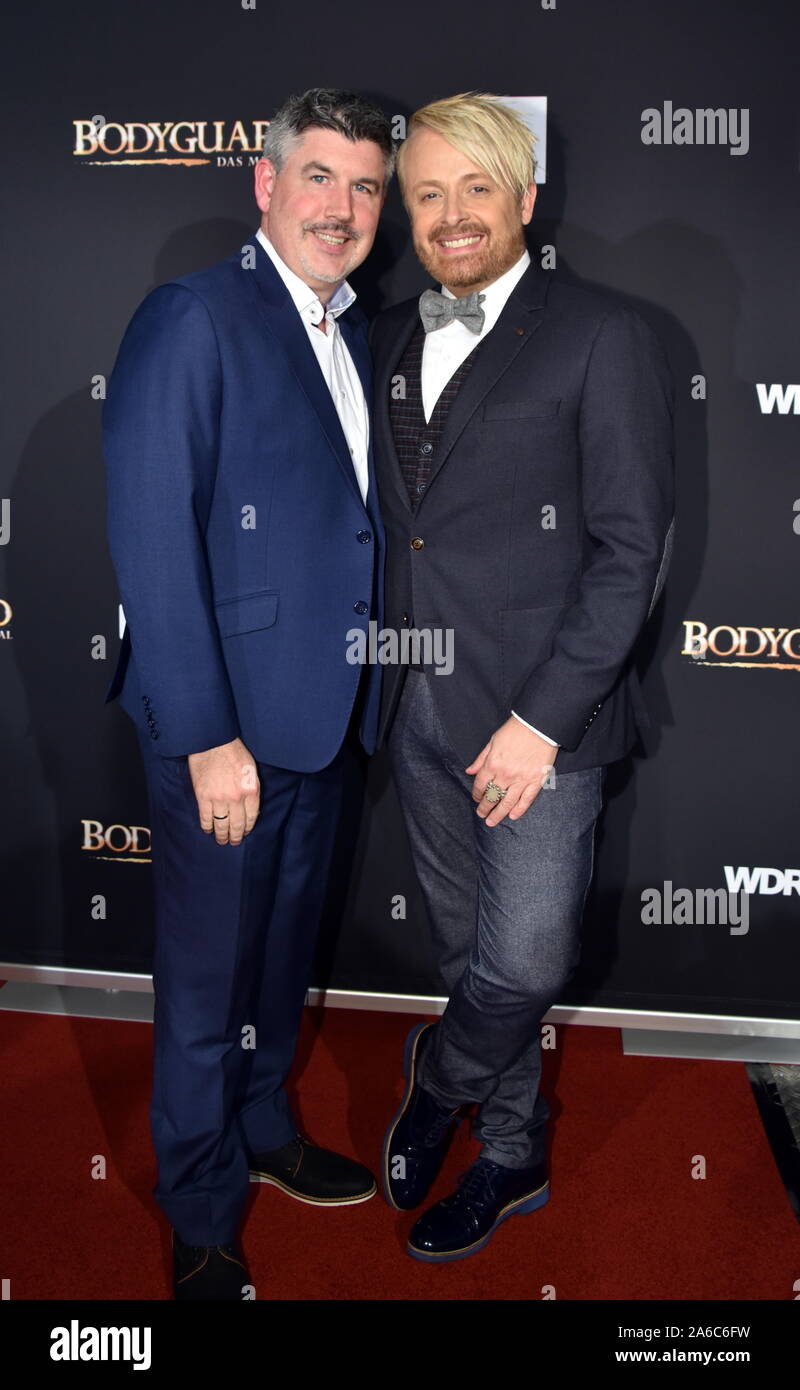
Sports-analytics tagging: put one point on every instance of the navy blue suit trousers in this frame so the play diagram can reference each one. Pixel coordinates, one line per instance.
(236, 928)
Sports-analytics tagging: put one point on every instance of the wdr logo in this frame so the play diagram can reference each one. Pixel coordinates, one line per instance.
(741, 878)
(785, 398)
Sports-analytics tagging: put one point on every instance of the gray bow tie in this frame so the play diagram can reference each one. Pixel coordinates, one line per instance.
(436, 310)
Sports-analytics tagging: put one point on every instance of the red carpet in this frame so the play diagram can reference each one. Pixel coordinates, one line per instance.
(625, 1219)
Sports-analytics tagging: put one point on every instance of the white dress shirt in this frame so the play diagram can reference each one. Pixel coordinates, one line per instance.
(335, 362)
(447, 348)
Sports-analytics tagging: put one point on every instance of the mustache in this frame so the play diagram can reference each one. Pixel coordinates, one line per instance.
(336, 228)
(445, 233)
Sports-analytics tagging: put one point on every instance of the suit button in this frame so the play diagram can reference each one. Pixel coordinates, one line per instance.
(421, 488)
(361, 606)
(404, 620)
(153, 733)
(417, 543)
(364, 536)
(426, 448)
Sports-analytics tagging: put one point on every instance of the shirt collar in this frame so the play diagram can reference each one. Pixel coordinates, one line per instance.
(307, 303)
(496, 294)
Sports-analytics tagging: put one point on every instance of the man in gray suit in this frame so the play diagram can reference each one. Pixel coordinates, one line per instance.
(524, 452)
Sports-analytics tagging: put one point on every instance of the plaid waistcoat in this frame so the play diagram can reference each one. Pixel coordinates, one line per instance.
(416, 440)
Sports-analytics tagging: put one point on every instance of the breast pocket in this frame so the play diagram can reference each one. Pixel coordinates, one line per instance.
(521, 410)
(247, 613)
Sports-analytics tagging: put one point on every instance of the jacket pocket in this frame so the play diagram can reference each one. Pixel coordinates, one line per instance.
(526, 640)
(521, 410)
(248, 613)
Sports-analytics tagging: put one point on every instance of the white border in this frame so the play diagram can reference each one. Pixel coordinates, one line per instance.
(590, 1015)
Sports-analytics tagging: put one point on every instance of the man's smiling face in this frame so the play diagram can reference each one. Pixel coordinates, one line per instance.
(321, 210)
(467, 228)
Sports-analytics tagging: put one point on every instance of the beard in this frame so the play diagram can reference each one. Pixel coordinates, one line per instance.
(336, 229)
(493, 258)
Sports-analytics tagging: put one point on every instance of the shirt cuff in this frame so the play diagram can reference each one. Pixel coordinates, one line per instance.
(536, 731)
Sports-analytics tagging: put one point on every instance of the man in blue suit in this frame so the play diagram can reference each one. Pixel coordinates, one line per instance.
(245, 533)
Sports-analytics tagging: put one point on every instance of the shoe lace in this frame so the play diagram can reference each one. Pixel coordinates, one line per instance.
(437, 1128)
(476, 1185)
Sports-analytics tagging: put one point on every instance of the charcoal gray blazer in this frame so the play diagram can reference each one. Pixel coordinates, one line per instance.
(546, 525)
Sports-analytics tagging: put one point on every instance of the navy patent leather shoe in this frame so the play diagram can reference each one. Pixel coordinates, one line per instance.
(465, 1221)
(417, 1138)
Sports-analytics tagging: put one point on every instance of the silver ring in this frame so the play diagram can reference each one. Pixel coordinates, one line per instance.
(494, 793)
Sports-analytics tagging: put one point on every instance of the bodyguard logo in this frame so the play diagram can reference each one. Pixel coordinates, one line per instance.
(76, 1343)
(228, 144)
(759, 648)
(129, 844)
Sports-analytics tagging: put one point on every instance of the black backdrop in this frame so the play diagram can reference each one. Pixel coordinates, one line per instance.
(701, 239)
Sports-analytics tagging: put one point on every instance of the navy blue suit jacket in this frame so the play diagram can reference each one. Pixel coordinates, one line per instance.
(243, 551)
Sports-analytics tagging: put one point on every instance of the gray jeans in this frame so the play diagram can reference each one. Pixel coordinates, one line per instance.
(505, 904)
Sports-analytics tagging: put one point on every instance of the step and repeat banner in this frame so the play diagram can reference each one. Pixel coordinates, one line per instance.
(669, 174)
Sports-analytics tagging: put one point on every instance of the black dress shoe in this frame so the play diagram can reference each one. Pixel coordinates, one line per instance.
(212, 1273)
(416, 1140)
(312, 1174)
(487, 1195)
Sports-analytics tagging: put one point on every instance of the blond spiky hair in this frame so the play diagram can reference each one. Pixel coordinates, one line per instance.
(481, 127)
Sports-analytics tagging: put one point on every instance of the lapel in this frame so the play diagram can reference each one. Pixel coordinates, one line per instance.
(521, 316)
(353, 327)
(281, 318)
(383, 378)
